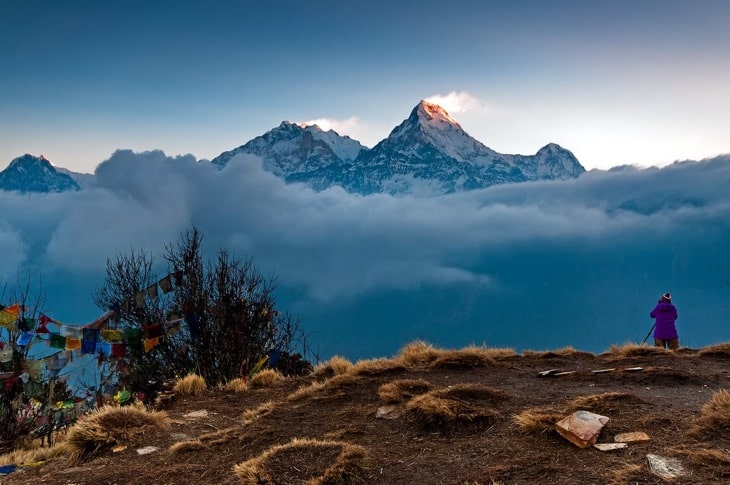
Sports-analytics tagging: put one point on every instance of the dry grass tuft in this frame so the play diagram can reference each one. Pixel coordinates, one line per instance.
(467, 358)
(403, 389)
(187, 446)
(335, 366)
(333, 387)
(267, 378)
(236, 385)
(629, 473)
(720, 350)
(536, 421)
(418, 354)
(714, 418)
(190, 385)
(346, 463)
(251, 415)
(562, 352)
(711, 459)
(24, 457)
(108, 425)
(461, 404)
(376, 367)
(605, 403)
(636, 350)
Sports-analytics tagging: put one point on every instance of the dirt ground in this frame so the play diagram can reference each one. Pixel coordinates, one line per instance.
(664, 399)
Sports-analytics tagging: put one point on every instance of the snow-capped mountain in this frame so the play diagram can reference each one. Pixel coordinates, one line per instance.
(35, 174)
(427, 154)
(298, 153)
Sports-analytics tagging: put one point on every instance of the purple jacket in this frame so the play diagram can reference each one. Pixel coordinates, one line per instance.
(665, 314)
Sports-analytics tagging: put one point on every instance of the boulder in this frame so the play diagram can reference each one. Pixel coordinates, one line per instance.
(581, 428)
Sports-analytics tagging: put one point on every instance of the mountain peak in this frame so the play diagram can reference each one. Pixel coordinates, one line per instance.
(433, 113)
(29, 173)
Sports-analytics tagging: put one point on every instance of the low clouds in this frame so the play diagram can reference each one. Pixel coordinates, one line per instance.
(585, 254)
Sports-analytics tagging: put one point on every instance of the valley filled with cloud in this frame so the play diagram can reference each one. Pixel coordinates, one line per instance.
(530, 266)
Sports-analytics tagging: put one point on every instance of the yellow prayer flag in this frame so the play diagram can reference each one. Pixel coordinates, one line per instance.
(7, 319)
(111, 335)
(73, 343)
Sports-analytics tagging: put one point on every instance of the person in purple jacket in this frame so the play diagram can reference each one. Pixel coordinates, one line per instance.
(665, 331)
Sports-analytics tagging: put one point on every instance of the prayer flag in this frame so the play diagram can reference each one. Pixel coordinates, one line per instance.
(119, 350)
(150, 343)
(73, 343)
(139, 299)
(152, 290)
(166, 284)
(6, 355)
(25, 338)
(111, 335)
(7, 319)
(58, 341)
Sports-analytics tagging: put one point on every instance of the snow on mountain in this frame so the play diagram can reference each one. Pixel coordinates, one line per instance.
(292, 151)
(428, 154)
(35, 174)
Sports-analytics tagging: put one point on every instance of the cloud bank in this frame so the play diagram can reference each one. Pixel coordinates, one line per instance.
(525, 265)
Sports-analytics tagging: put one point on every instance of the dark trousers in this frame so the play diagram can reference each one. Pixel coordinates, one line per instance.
(671, 344)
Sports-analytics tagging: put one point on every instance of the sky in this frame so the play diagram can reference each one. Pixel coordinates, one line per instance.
(621, 82)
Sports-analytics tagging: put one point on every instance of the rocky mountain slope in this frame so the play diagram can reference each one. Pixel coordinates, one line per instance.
(29, 174)
(427, 154)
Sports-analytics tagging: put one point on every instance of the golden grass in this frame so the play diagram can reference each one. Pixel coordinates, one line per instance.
(402, 390)
(466, 358)
(332, 387)
(267, 378)
(190, 385)
(236, 385)
(636, 350)
(456, 405)
(629, 473)
(714, 418)
(35, 455)
(537, 421)
(102, 428)
(187, 446)
(335, 366)
(605, 402)
(418, 354)
(251, 415)
(568, 351)
(346, 463)
(718, 350)
(707, 457)
(375, 367)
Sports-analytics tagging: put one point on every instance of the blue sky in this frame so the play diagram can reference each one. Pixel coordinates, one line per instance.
(639, 82)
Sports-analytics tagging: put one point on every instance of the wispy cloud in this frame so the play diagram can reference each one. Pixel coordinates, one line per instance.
(457, 102)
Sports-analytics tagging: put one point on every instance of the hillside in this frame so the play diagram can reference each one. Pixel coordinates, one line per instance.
(476, 415)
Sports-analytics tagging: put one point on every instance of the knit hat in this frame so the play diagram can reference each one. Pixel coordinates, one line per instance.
(666, 297)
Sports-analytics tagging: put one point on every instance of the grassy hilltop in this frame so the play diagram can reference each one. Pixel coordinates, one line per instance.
(476, 415)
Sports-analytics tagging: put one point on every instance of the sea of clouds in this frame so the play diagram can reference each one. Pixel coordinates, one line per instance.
(532, 265)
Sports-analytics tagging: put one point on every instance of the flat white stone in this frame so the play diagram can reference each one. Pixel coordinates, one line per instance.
(601, 371)
(147, 450)
(610, 446)
(196, 414)
(387, 412)
(663, 467)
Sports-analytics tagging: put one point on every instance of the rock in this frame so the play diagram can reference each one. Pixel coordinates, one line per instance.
(564, 373)
(547, 372)
(196, 414)
(387, 412)
(633, 437)
(147, 450)
(119, 448)
(581, 428)
(633, 369)
(665, 468)
(602, 371)
(610, 446)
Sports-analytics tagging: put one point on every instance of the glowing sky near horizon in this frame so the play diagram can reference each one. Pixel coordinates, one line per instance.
(620, 82)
